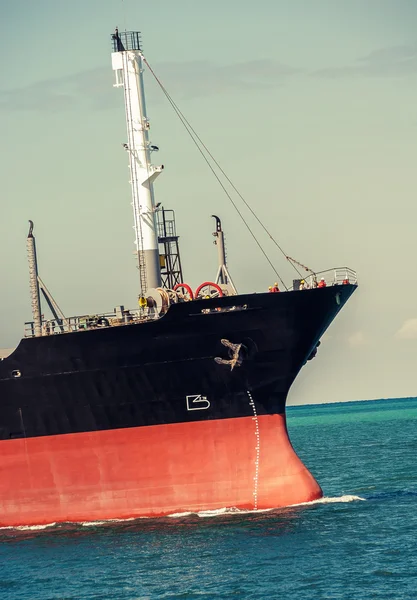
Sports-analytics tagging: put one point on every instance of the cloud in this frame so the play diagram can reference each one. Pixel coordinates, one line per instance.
(393, 61)
(408, 330)
(195, 79)
(60, 94)
(93, 88)
(357, 339)
(202, 78)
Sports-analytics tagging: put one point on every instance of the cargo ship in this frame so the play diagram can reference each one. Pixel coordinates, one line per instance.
(175, 406)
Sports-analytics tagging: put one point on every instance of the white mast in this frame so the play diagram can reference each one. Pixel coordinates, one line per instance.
(127, 62)
(223, 277)
(34, 283)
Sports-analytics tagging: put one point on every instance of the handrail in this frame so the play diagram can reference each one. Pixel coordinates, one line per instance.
(330, 277)
(121, 316)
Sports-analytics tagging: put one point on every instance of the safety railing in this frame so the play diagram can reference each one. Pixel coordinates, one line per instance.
(330, 277)
(120, 316)
(126, 40)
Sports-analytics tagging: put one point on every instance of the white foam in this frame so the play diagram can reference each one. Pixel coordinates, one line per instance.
(29, 527)
(82, 523)
(202, 514)
(341, 499)
(231, 511)
(237, 511)
(217, 512)
(209, 513)
(97, 523)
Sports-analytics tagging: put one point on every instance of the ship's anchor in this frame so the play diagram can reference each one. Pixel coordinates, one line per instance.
(235, 353)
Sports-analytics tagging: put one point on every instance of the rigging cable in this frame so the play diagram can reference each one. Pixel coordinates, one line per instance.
(189, 128)
(193, 136)
(296, 262)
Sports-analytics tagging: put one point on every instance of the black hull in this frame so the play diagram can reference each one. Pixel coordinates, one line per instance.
(157, 372)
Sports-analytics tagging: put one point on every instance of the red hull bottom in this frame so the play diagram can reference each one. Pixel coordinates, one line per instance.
(247, 463)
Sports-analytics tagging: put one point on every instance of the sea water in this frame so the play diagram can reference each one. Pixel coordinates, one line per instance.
(359, 542)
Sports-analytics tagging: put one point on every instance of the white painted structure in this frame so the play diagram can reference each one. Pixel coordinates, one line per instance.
(127, 62)
(223, 277)
(33, 282)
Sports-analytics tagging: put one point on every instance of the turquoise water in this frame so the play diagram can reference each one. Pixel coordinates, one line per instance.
(360, 542)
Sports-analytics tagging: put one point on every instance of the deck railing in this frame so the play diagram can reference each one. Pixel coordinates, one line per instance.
(121, 316)
(337, 276)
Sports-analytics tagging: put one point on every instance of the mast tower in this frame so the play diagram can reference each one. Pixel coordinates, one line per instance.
(223, 277)
(127, 62)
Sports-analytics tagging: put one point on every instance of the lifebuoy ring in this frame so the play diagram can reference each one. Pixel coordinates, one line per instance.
(213, 290)
(186, 287)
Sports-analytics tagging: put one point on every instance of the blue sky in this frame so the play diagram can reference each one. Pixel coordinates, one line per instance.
(309, 106)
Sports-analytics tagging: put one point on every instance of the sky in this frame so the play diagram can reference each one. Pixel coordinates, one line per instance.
(310, 108)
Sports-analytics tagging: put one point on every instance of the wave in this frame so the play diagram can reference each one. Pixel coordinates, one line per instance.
(345, 498)
(237, 511)
(68, 524)
(201, 514)
(392, 494)
(29, 527)
(217, 512)
(106, 521)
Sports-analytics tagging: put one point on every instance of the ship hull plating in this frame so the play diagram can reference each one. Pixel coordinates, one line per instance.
(150, 471)
(141, 420)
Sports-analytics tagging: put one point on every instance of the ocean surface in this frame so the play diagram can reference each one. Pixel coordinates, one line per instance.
(359, 542)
